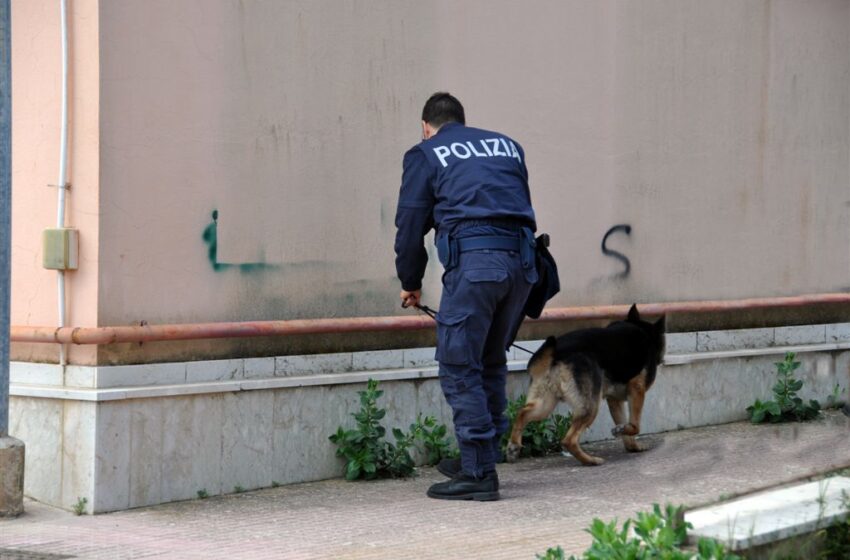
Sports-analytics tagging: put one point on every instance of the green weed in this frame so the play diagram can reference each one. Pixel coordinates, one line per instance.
(787, 406)
(368, 455)
(659, 534)
(552, 554)
(834, 400)
(538, 438)
(432, 439)
(80, 507)
(836, 537)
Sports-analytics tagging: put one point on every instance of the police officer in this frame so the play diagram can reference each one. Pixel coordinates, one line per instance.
(471, 186)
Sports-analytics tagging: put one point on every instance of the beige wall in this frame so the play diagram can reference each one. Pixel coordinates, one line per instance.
(290, 120)
(720, 131)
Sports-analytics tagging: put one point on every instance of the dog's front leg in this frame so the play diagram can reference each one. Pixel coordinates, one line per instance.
(515, 443)
(636, 393)
(618, 414)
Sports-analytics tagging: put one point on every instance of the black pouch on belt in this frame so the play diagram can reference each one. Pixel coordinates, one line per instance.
(447, 251)
(527, 248)
(548, 284)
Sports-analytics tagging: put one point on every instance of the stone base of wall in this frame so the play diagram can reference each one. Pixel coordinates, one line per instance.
(131, 436)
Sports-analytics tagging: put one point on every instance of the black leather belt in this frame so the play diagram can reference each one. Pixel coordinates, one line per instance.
(493, 242)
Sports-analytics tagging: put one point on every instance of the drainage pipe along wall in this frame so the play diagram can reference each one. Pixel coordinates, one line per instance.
(61, 184)
(195, 331)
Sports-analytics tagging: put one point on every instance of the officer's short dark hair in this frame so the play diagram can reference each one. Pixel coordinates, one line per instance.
(443, 107)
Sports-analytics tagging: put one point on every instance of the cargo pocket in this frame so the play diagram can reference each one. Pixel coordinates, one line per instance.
(452, 345)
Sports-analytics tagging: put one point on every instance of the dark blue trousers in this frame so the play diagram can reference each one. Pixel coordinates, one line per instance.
(480, 313)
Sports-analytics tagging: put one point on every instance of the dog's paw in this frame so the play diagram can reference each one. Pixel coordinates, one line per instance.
(512, 452)
(636, 447)
(592, 461)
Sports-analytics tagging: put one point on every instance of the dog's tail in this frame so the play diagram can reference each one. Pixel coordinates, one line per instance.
(541, 361)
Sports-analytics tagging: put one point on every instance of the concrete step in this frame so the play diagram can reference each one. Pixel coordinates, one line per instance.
(772, 516)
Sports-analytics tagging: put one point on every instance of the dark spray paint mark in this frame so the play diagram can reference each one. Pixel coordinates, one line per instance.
(210, 237)
(617, 255)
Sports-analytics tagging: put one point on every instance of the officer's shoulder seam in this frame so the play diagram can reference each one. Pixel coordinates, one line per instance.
(414, 149)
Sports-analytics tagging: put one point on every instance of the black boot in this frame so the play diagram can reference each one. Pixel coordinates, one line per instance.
(465, 487)
(452, 467)
(449, 467)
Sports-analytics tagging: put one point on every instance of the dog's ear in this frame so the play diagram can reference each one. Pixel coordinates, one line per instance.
(661, 325)
(550, 341)
(634, 316)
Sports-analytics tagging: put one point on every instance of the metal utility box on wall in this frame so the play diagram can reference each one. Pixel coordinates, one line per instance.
(60, 248)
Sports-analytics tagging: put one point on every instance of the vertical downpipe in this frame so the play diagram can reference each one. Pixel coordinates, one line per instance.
(5, 208)
(63, 164)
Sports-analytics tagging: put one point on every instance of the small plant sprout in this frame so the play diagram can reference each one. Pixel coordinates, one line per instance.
(202, 494)
(275, 484)
(80, 506)
(552, 554)
(823, 487)
(836, 537)
(835, 400)
(238, 489)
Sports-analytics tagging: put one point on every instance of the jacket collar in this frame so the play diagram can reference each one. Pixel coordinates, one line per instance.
(448, 126)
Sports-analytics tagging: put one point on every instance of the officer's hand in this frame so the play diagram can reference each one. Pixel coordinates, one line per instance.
(410, 299)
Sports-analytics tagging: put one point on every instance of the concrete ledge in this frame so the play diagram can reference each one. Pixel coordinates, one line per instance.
(682, 359)
(162, 380)
(205, 376)
(772, 516)
(236, 385)
(131, 436)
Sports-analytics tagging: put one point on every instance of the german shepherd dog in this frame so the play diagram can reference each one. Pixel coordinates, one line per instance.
(581, 368)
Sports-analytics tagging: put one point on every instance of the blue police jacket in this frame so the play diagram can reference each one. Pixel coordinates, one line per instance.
(459, 174)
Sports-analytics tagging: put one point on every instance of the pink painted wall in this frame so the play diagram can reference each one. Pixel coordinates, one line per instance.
(36, 95)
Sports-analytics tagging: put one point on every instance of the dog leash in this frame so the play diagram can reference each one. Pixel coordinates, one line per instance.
(433, 314)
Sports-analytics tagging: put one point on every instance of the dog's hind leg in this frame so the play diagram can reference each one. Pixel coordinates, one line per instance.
(618, 414)
(539, 406)
(582, 419)
(582, 389)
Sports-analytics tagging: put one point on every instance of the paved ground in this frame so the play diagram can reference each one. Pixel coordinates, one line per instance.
(545, 502)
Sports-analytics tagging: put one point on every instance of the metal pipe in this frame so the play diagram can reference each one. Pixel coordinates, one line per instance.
(5, 207)
(63, 164)
(150, 333)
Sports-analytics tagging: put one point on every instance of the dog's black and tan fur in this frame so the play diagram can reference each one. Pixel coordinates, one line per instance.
(581, 368)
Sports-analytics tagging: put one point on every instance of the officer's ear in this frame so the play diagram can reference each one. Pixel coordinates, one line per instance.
(428, 130)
